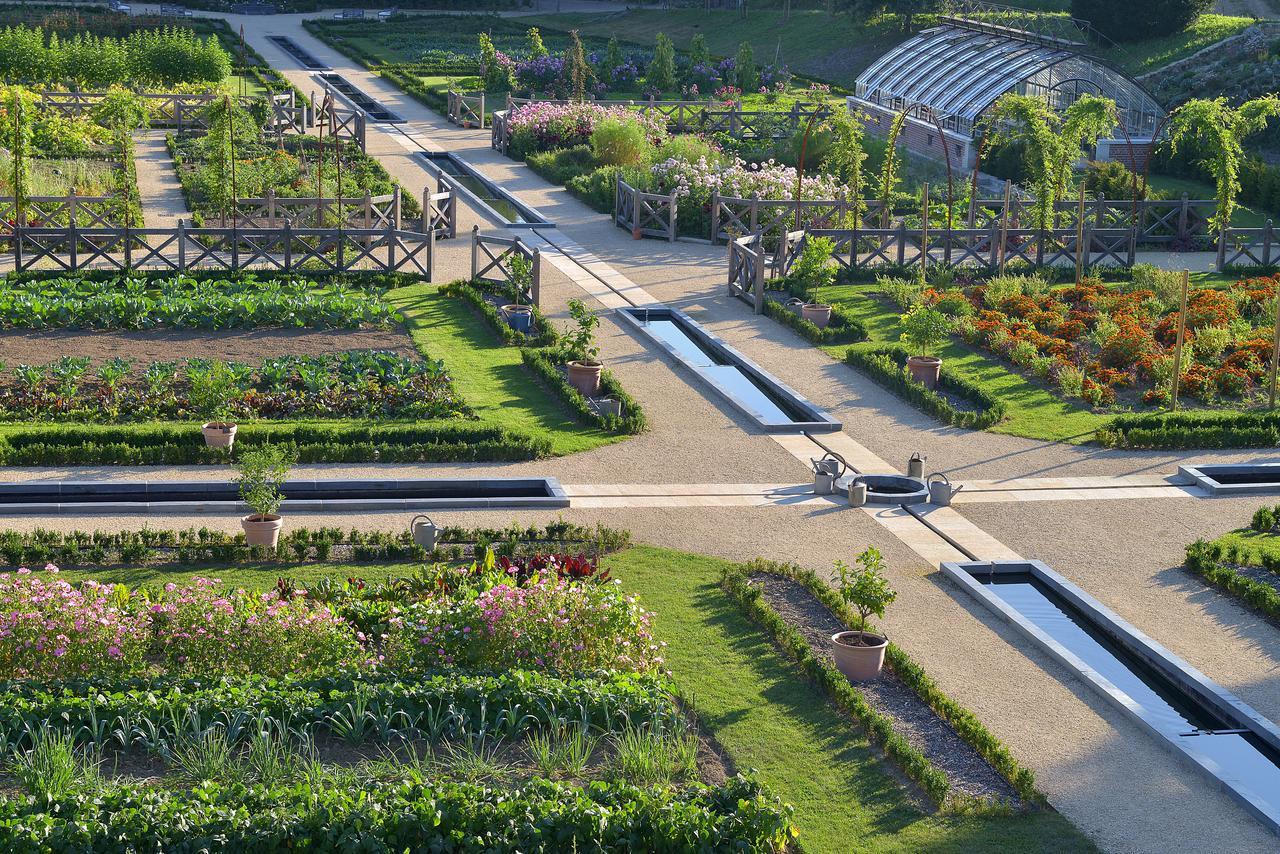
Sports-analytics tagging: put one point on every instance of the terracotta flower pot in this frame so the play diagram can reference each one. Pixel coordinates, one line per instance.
(262, 530)
(584, 375)
(925, 369)
(817, 313)
(219, 434)
(858, 662)
(518, 317)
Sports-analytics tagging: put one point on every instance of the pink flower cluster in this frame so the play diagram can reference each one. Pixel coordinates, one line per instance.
(542, 125)
(54, 630)
(51, 629)
(547, 623)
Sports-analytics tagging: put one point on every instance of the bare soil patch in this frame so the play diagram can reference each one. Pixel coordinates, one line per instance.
(39, 347)
(967, 770)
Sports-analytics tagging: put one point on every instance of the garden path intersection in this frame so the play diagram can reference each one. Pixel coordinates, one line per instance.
(707, 480)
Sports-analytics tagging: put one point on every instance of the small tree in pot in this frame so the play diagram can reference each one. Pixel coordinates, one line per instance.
(925, 329)
(859, 654)
(213, 389)
(263, 471)
(579, 349)
(519, 316)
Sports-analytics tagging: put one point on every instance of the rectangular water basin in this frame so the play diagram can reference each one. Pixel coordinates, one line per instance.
(114, 496)
(484, 194)
(1233, 478)
(304, 57)
(356, 97)
(1210, 727)
(759, 395)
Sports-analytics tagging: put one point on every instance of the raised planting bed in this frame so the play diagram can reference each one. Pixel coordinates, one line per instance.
(488, 300)
(955, 401)
(939, 744)
(1194, 429)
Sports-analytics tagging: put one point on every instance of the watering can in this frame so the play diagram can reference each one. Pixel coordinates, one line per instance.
(857, 493)
(915, 465)
(425, 532)
(826, 472)
(940, 489)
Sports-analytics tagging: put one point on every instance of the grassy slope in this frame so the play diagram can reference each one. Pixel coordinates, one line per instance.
(751, 700)
(1142, 57)
(1244, 216)
(490, 376)
(770, 720)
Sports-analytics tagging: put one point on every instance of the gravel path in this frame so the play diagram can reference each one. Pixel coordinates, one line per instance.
(158, 187)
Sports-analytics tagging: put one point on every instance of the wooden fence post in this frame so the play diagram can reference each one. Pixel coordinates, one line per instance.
(475, 260)
(671, 224)
(1004, 224)
(901, 235)
(1080, 237)
(757, 287)
(715, 215)
(1222, 245)
(395, 207)
(1184, 220)
(1266, 244)
(271, 207)
(536, 286)
(1275, 358)
(182, 246)
(1177, 346)
(288, 245)
(924, 232)
(431, 253)
(482, 109)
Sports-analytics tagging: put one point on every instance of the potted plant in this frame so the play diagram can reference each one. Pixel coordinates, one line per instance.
(817, 313)
(580, 349)
(810, 274)
(925, 329)
(263, 471)
(520, 317)
(212, 391)
(859, 655)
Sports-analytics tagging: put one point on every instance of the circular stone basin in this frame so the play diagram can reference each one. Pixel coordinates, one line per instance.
(894, 489)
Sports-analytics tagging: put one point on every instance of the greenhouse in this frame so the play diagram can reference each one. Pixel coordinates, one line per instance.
(948, 76)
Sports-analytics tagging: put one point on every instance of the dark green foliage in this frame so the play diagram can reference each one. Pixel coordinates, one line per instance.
(543, 335)
(887, 366)
(184, 445)
(1135, 22)
(545, 363)
(1204, 558)
(1112, 179)
(562, 165)
(157, 57)
(963, 721)
(1259, 429)
(843, 328)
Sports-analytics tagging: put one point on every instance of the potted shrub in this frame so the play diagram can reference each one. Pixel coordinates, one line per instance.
(518, 316)
(817, 313)
(859, 655)
(810, 273)
(925, 329)
(212, 391)
(580, 349)
(263, 471)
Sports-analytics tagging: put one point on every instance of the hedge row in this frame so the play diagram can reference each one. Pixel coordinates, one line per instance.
(193, 546)
(963, 721)
(546, 365)
(844, 328)
(404, 815)
(887, 366)
(143, 714)
(473, 293)
(833, 683)
(1179, 430)
(184, 445)
(1203, 560)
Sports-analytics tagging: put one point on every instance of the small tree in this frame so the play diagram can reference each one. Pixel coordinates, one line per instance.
(537, 49)
(748, 78)
(1218, 131)
(889, 169)
(612, 58)
(576, 68)
(578, 342)
(213, 391)
(698, 53)
(662, 70)
(845, 156)
(19, 142)
(865, 589)
(263, 471)
(924, 328)
(496, 73)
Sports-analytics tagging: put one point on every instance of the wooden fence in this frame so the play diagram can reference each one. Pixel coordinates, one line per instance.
(440, 209)
(274, 211)
(285, 249)
(644, 214)
(71, 209)
(466, 109)
(1248, 247)
(181, 111)
(491, 256)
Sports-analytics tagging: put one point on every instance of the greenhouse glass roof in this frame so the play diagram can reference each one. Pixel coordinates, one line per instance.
(955, 72)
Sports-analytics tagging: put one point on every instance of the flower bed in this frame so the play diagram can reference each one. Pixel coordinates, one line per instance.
(356, 383)
(542, 126)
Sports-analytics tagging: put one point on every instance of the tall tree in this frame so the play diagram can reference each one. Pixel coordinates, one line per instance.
(662, 69)
(1218, 130)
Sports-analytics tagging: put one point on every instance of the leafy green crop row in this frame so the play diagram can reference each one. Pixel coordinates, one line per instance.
(181, 302)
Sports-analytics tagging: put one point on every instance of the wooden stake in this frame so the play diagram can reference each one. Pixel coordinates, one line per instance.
(1081, 250)
(1275, 358)
(1004, 223)
(924, 234)
(1177, 347)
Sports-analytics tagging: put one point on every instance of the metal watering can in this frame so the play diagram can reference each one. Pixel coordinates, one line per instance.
(915, 465)
(425, 532)
(826, 472)
(940, 489)
(857, 493)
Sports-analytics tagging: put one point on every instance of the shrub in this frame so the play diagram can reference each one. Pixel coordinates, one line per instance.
(662, 70)
(1148, 20)
(844, 328)
(562, 165)
(1264, 520)
(1193, 430)
(888, 368)
(924, 328)
(620, 141)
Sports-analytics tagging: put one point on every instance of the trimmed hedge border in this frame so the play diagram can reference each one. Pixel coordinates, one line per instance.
(843, 329)
(473, 293)
(545, 365)
(126, 445)
(1195, 429)
(963, 721)
(401, 815)
(886, 366)
(1203, 560)
(831, 682)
